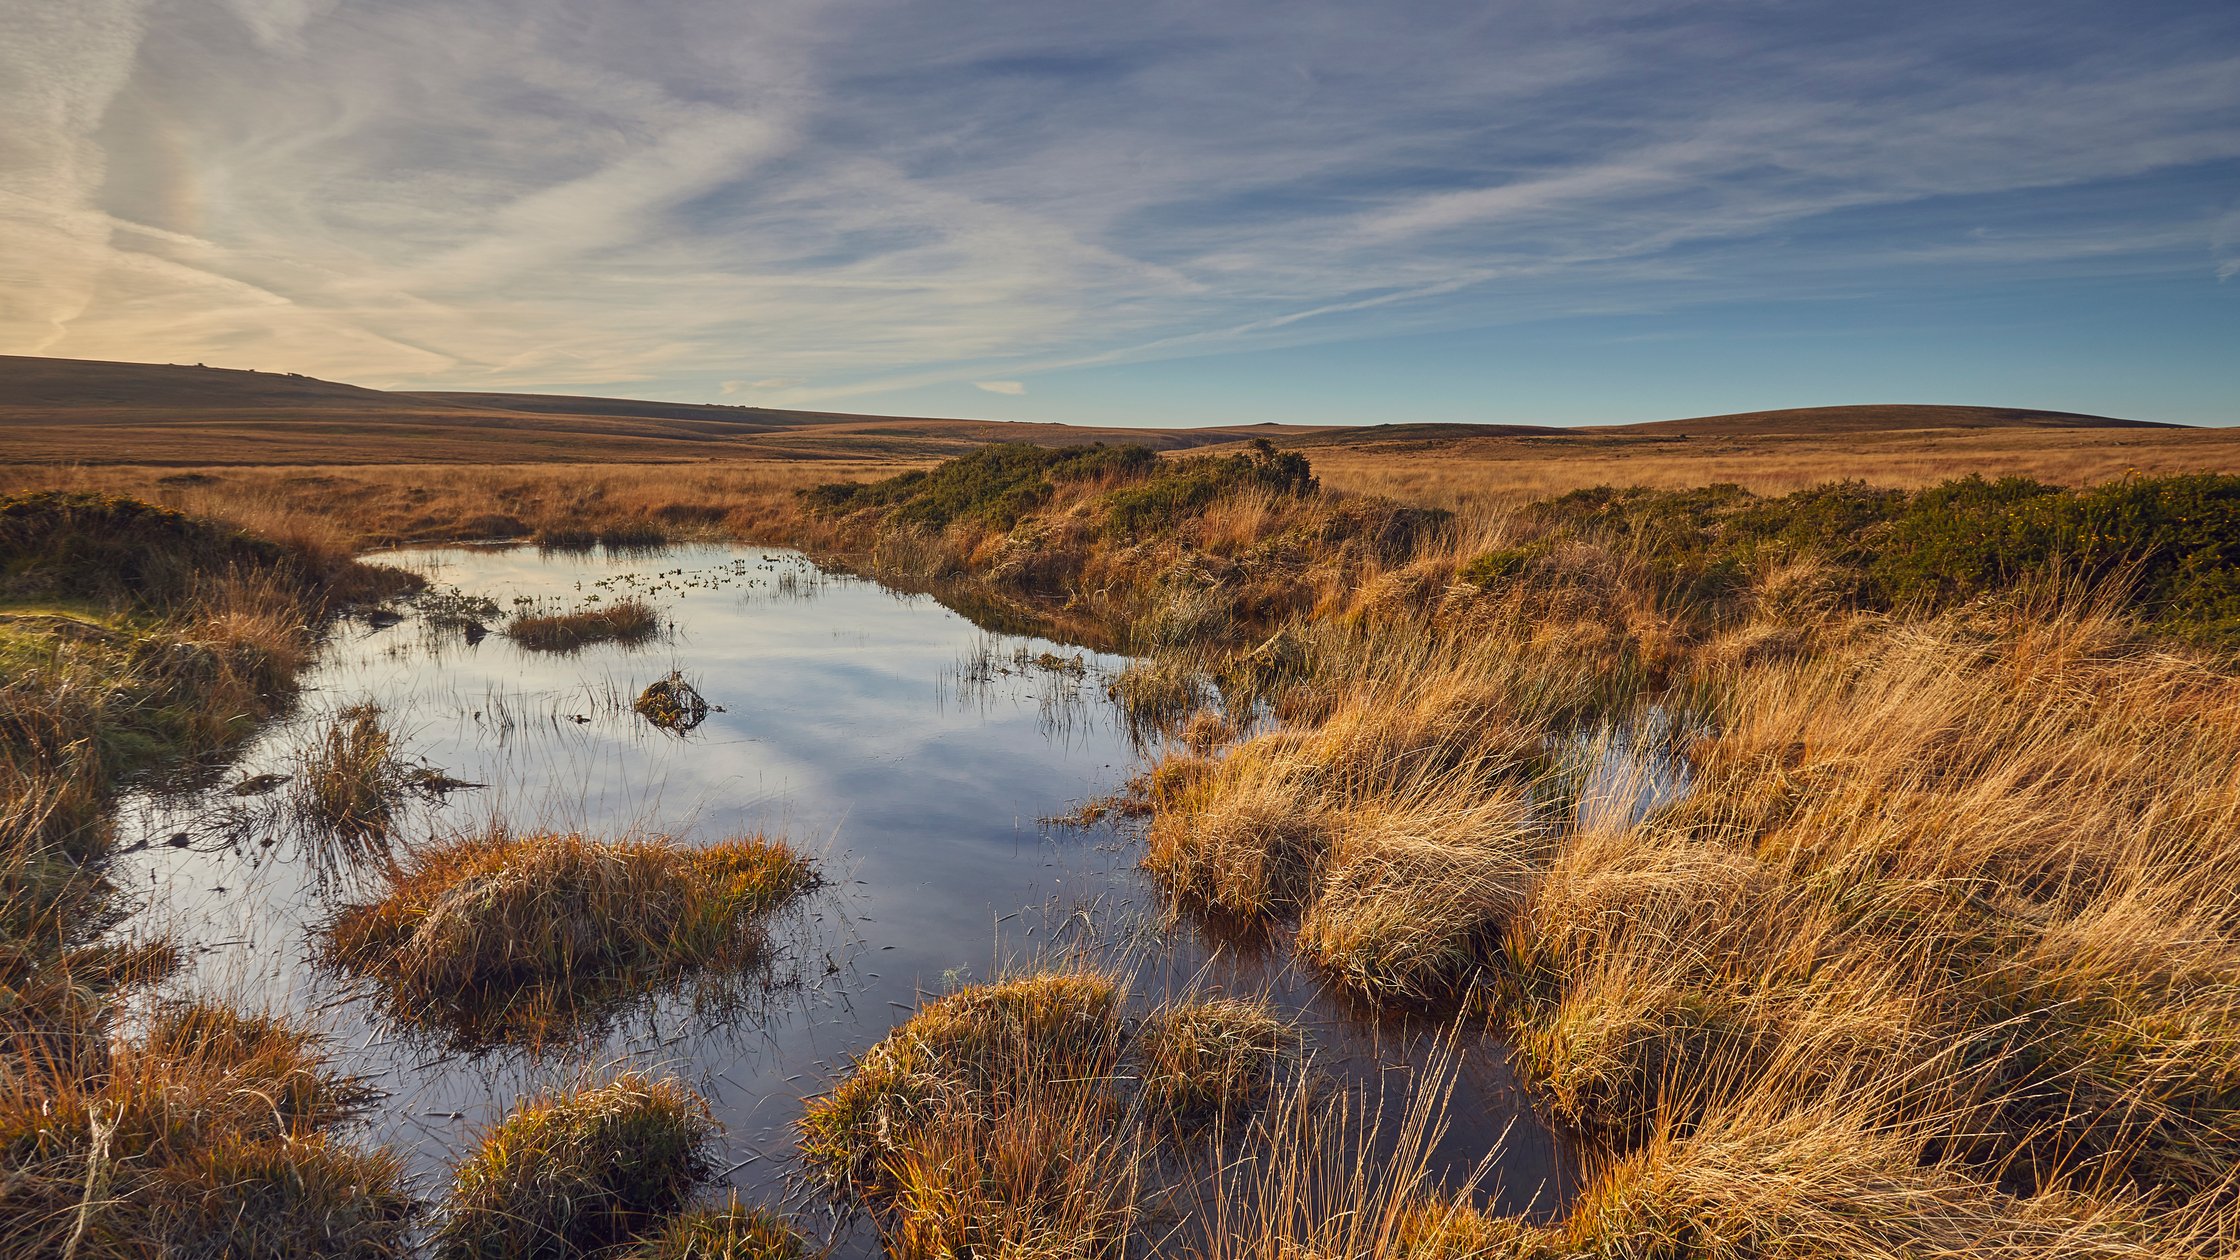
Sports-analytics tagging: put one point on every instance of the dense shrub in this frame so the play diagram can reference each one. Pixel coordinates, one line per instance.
(1187, 486)
(2173, 541)
(993, 486)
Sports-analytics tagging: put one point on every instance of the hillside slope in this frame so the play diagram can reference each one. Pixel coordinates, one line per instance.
(86, 411)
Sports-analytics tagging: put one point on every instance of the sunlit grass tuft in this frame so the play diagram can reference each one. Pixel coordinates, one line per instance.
(522, 938)
(572, 1174)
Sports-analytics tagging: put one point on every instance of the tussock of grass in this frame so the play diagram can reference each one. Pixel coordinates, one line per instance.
(522, 938)
(625, 621)
(347, 784)
(731, 1232)
(211, 1135)
(1412, 901)
(1209, 1058)
(572, 1174)
(158, 638)
(1016, 1117)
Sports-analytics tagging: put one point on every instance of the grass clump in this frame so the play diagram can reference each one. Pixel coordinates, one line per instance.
(1016, 1117)
(522, 938)
(575, 1174)
(348, 783)
(1209, 1058)
(626, 621)
(731, 1232)
(213, 1134)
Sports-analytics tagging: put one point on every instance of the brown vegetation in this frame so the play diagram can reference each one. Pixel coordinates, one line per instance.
(578, 1173)
(625, 621)
(525, 938)
(1934, 959)
(1021, 1117)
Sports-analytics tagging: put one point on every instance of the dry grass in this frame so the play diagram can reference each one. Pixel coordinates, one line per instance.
(1491, 475)
(1022, 1117)
(1934, 961)
(214, 1134)
(573, 1174)
(626, 621)
(730, 1232)
(137, 639)
(347, 784)
(525, 938)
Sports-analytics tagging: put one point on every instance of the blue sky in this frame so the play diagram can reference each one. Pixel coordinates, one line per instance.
(1564, 211)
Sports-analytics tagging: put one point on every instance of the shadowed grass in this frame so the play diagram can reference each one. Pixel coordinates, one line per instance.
(570, 1175)
(625, 621)
(523, 938)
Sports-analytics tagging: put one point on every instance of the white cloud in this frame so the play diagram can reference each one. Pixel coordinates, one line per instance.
(860, 197)
(1012, 388)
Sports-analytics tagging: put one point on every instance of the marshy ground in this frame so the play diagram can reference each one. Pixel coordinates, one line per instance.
(1841, 871)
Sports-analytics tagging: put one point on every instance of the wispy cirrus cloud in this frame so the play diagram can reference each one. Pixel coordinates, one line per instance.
(815, 200)
(1008, 388)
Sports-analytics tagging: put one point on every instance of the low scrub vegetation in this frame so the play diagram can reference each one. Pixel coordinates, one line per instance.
(1238, 540)
(2171, 543)
(626, 621)
(526, 938)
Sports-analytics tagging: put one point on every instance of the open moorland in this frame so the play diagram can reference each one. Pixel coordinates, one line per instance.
(1930, 954)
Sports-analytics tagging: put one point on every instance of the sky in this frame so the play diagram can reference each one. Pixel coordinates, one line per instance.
(1222, 211)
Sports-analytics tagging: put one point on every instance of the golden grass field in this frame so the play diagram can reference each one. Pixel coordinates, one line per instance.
(1935, 960)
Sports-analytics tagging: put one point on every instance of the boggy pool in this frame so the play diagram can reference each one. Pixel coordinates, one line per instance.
(909, 752)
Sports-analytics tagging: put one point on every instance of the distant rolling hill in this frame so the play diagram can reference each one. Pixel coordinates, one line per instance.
(1880, 418)
(88, 411)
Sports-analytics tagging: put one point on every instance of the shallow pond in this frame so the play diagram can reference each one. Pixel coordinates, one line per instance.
(909, 752)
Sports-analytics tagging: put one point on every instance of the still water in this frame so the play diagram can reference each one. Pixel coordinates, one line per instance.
(910, 753)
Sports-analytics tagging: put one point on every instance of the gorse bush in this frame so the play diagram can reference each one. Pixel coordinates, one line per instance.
(993, 486)
(1187, 486)
(2172, 542)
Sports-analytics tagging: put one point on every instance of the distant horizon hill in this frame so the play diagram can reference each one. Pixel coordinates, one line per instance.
(93, 411)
